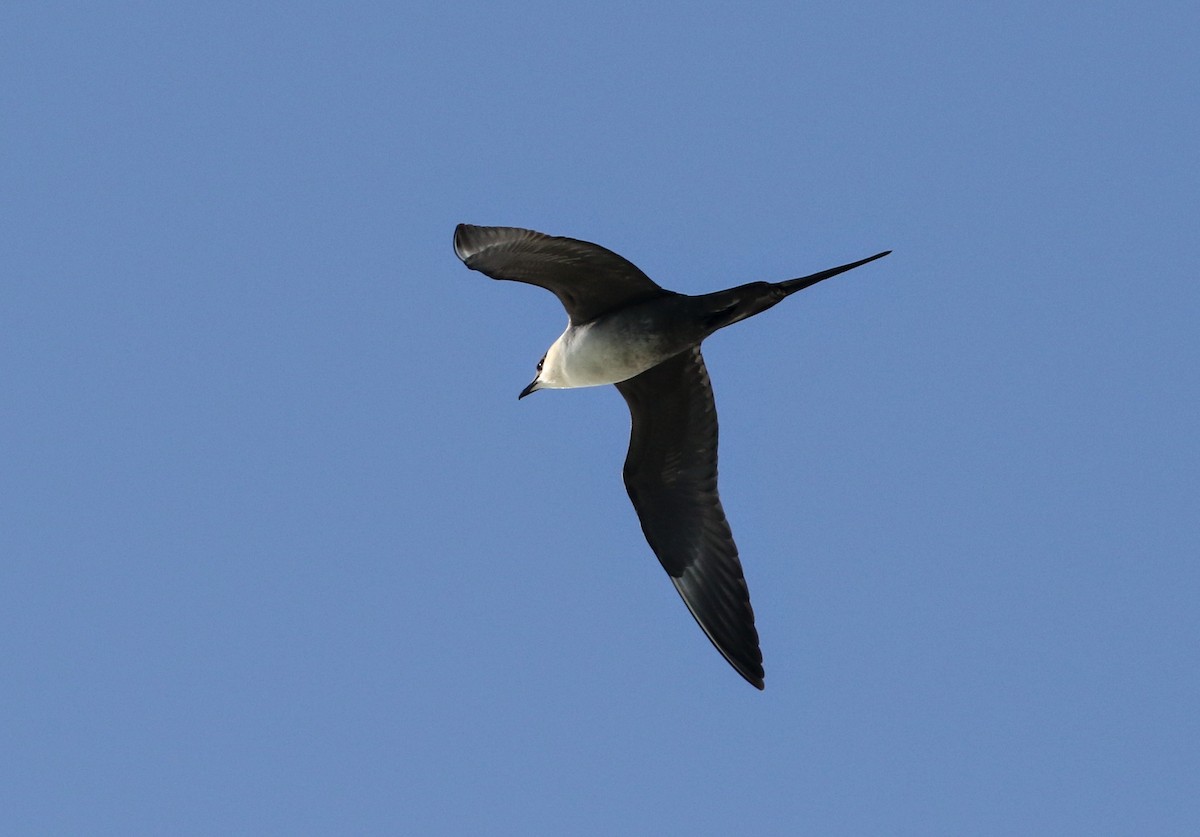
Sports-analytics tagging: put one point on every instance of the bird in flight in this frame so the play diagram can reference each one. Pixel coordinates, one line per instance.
(624, 329)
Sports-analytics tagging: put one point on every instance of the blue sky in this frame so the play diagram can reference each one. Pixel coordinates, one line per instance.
(283, 554)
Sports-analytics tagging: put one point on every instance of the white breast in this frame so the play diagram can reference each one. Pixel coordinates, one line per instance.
(599, 353)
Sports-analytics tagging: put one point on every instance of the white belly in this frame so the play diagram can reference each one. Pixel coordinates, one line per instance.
(600, 353)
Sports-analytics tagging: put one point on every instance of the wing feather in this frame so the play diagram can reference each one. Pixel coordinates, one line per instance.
(588, 279)
(671, 477)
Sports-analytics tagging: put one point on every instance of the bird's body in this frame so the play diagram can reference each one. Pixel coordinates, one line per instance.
(610, 349)
(625, 330)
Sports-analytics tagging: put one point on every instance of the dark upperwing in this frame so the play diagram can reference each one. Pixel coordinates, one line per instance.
(671, 476)
(588, 279)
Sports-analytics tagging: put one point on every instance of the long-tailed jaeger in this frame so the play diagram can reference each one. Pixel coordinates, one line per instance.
(624, 329)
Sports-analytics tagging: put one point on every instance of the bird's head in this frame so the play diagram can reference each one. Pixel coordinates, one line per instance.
(536, 383)
(549, 373)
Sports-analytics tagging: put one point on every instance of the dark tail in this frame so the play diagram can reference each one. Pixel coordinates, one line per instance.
(792, 285)
(725, 308)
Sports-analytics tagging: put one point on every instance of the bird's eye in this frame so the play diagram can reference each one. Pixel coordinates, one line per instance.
(540, 362)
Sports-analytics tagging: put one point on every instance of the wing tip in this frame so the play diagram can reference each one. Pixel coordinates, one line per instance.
(463, 247)
(471, 240)
(742, 652)
(754, 675)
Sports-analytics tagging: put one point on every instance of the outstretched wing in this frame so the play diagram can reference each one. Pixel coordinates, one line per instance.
(588, 279)
(671, 476)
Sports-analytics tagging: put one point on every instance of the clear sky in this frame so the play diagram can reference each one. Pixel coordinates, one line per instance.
(281, 553)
